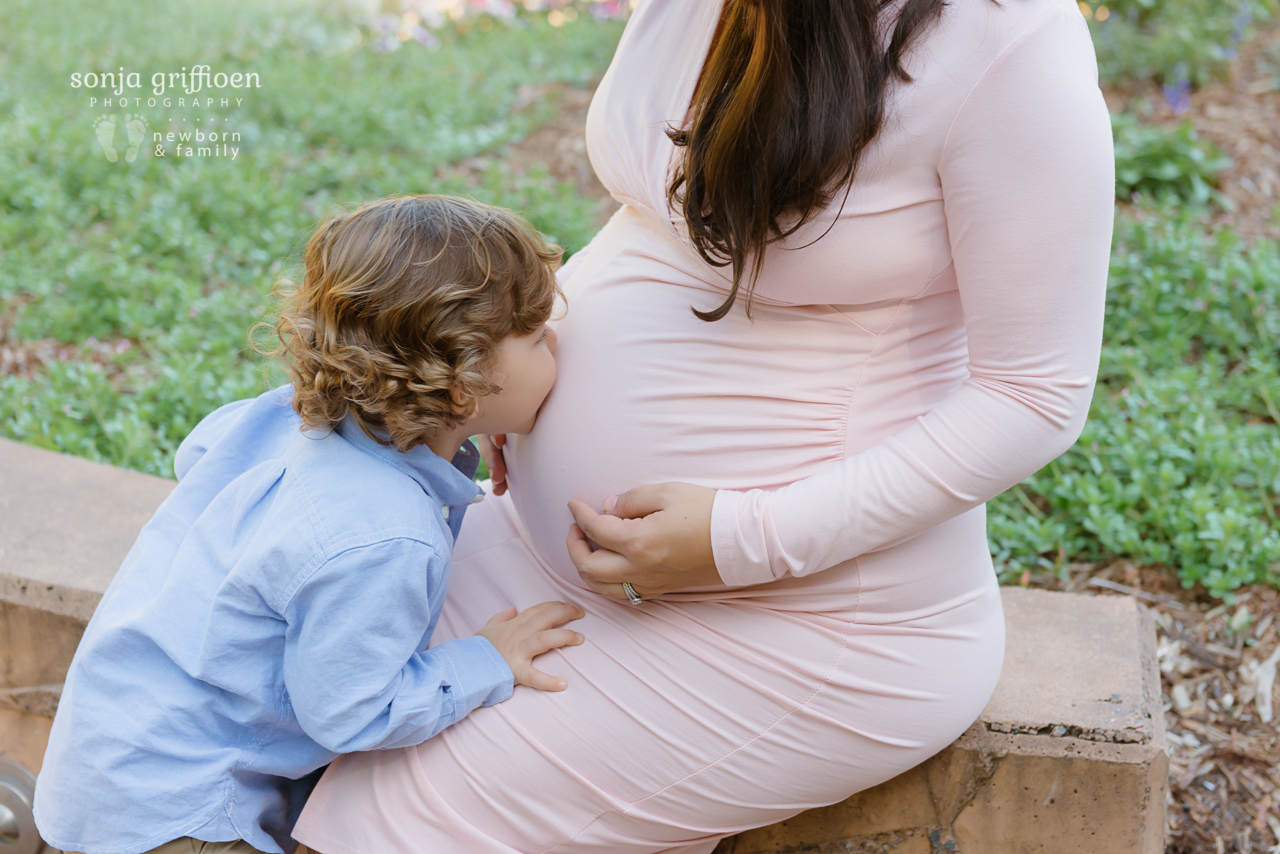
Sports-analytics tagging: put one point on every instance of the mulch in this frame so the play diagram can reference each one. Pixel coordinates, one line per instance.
(1217, 669)
(1241, 116)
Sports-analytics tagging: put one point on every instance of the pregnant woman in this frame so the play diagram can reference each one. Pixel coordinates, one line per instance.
(855, 290)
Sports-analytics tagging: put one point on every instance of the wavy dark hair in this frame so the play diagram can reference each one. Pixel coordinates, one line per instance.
(788, 100)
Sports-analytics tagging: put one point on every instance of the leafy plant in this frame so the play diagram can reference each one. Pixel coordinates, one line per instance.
(1157, 161)
(1180, 462)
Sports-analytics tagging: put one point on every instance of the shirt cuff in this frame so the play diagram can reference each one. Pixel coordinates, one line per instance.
(481, 676)
(738, 542)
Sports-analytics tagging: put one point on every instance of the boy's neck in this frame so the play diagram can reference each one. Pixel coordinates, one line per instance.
(446, 445)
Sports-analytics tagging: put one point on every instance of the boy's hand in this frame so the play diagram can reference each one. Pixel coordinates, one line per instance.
(522, 637)
(491, 453)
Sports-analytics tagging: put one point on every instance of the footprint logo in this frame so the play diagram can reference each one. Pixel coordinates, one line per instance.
(136, 127)
(105, 129)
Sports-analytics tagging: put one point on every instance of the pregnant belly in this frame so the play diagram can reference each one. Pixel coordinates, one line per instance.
(647, 393)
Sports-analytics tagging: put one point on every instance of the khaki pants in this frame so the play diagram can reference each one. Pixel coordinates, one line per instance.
(187, 845)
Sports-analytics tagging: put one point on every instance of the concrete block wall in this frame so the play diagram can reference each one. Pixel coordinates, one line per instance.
(1069, 755)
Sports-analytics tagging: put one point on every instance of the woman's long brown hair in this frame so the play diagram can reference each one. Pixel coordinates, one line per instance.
(790, 97)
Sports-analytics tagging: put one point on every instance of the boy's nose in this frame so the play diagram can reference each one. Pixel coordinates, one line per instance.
(551, 340)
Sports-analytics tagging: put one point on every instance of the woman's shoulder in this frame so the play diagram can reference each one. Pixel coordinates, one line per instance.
(975, 40)
(972, 34)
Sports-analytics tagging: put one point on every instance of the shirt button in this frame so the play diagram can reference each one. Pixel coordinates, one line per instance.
(444, 511)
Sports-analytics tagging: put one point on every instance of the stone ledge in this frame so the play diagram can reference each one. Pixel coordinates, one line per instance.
(1069, 754)
(66, 527)
(39, 700)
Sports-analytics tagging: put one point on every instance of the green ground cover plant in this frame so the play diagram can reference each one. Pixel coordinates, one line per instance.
(1179, 464)
(1156, 161)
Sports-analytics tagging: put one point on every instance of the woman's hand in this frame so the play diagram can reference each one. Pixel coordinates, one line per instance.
(520, 638)
(656, 538)
(491, 452)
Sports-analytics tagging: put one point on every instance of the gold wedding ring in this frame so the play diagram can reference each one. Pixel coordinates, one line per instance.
(632, 596)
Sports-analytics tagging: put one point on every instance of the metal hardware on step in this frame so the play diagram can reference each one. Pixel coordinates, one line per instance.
(18, 834)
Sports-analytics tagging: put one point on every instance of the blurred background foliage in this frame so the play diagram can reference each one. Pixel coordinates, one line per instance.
(135, 283)
(1177, 43)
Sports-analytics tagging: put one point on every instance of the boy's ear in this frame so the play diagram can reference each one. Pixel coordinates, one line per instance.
(463, 403)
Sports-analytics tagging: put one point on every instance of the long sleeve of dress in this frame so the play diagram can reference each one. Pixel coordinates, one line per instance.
(1028, 193)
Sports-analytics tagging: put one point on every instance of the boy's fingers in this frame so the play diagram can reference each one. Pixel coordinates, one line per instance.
(552, 639)
(491, 451)
(548, 614)
(502, 617)
(542, 681)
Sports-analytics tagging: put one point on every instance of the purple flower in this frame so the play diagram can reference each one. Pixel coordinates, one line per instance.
(1178, 96)
(1242, 20)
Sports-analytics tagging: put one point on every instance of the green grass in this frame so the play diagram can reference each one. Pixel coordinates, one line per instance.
(176, 257)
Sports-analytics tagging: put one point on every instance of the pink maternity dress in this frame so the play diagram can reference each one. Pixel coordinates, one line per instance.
(936, 346)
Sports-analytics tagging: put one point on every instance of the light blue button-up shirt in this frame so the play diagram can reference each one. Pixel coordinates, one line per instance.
(274, 613)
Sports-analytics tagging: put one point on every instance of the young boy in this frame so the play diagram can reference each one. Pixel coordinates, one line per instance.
(276, 610)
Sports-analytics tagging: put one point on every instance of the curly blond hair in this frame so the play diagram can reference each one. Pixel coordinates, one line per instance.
(401, 308)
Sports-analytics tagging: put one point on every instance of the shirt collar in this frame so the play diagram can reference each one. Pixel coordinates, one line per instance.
(450, 482)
